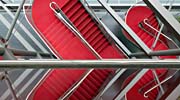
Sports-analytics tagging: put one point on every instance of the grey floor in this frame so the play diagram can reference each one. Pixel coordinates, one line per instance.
(23, 38)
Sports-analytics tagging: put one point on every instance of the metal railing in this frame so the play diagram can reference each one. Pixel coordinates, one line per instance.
(62, 17)
(158, 35)
(107, 32)
(159, 84)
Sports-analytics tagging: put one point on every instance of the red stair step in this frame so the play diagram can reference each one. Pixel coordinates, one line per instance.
(98, 78)
(100, 43)
(93, 31)
(84, 24)
(97, 40)
(46, 31)
(83, 92)
(85, 30)
(54, 29)
(93, 80)
(81, 15)
(64, 40)
(73, 97)
(59, 35)
(88, 88)
(73, 10)
(90, 82)
(99, 73)
(49, 90)
(102, 47)
(69, 5)
(94, 38)
(79, 95)
(63, 3)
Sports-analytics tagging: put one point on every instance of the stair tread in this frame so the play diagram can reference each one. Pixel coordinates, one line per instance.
(73, 10)
(69, 5)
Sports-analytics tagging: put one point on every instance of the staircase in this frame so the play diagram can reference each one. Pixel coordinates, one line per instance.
(134, 18)
(61, 40)
(87, 27)
(144, 84)
(91, 85)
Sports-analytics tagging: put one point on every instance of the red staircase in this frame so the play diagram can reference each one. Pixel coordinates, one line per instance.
(134, 17)
(60, 39)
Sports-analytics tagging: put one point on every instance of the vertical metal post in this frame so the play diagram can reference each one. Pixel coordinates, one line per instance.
(9, 84)
(14, 22)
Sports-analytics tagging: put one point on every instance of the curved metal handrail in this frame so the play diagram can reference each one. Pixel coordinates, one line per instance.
(165, 80)
(61, 16)
(68, 93)
(150, 26)
(140, 90)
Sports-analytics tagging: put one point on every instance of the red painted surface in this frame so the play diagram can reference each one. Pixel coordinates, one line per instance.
(68, 46)
(134, 16)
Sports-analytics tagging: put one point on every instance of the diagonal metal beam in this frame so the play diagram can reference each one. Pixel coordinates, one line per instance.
(124, 26)
(9, 34)
(17, 35)
(131, 84)
(165, 16)
(169, 52)
(24, 28)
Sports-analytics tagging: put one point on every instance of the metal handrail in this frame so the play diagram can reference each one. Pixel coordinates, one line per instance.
(159, 32)
(147, 84)
(75, 86)
(108, 63)
(165, 80)
(61, 16)
(161, 28)
(112, 81)
(125, 26)
(105, 29)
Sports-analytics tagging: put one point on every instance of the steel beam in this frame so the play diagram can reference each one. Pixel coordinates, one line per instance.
(124, 26)
(14, 21)
(171, 52)
(118, 63)
(17, 52)
(166, 17)
(117, 6)
(175, 94)
(105, 29)
(111, 82)
(9, 84)
(116, 40)
(121, 95)
(8, 55)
